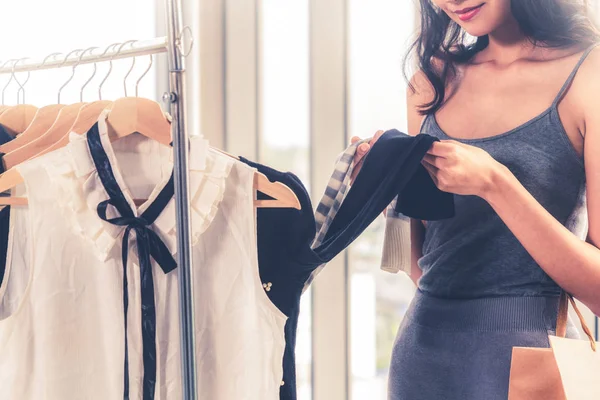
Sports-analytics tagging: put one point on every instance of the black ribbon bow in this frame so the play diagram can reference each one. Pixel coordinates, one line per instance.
(148, 244)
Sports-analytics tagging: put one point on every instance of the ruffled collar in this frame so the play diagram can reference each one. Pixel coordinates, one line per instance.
(76, 177)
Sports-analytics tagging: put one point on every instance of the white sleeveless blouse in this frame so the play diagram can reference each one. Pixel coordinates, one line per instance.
(61, 303)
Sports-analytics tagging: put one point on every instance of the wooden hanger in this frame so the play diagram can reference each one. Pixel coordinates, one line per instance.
(65, 119)
(9, 180)
(130, 115)
(42, 120)
(88, 114)
(283, 196)
(87, 117)
(17, 118)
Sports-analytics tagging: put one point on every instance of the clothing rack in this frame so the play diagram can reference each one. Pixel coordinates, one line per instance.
(136, 49)
(173, 45)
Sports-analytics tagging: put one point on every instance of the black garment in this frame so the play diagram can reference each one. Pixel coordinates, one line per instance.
(284, 239)
(393, 167)
(285, 235)
(5, 135)
(148, 245)
(5, 212)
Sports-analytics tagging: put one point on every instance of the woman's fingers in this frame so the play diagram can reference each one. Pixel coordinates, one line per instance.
(431, 170)
(372, 140)
(375, 137)
(359, 157)
(362, 151)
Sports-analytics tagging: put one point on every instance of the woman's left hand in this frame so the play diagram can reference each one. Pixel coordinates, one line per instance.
(459, 168)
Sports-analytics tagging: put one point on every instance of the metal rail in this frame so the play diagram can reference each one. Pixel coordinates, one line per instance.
(137, 48)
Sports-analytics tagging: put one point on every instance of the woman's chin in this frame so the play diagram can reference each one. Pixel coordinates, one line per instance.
(477, 30)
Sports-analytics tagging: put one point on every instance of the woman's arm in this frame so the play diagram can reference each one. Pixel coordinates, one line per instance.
(573, 263)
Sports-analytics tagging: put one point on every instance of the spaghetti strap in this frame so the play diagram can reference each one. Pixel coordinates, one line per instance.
(566, 85)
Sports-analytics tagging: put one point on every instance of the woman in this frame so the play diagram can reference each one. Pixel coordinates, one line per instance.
(518, 116)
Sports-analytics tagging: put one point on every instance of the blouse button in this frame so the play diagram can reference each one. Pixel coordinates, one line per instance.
(282, 383)
(267, 286)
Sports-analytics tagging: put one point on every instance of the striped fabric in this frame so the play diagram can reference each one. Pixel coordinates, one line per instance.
(332, 199)
(335, 192)
(396, 254)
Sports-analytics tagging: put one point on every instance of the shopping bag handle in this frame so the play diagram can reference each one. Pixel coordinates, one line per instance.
(563, 312)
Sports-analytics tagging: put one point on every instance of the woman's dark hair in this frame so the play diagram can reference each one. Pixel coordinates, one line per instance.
(547, 23)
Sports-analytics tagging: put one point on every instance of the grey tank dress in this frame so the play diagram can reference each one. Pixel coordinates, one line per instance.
(481, 293)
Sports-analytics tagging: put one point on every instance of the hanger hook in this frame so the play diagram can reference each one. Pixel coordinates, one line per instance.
(91, 50)
(45, 60)
(12, 72)
(47, 57)
(111, 60)
(9, 80)
(130, 69)
(21, 85)
(143, 75)
(72, 73)
(109, 68)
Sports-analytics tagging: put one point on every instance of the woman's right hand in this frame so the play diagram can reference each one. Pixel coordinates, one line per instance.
(361, 152)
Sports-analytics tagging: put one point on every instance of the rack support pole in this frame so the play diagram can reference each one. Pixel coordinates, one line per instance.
(180, 165)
